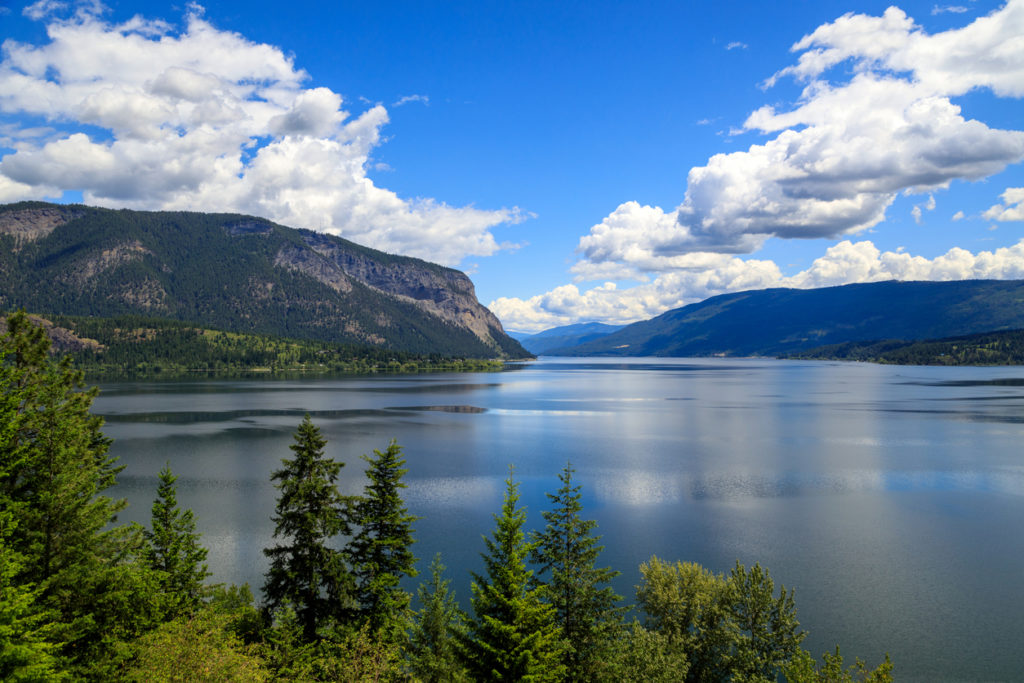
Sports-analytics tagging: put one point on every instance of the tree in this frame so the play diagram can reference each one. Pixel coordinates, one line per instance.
(54, 468)
(769, 634)
(512, 635)
(584, 602)
(380, 552)
(26, 653)
(174, 548)
(802, 669)
(689, 604)
(432, 648)
(730, 627)
(305, 572)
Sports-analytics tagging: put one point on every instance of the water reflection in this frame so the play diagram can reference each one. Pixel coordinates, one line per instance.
(891, 498)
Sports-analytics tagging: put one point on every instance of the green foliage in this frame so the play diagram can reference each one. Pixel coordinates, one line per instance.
(729, 627)
(803, 669)
(131, 345)
(53, 469)
(380, 551)
(339, 655)
(26, 653)
(512, 634)
(584, 602)
(646, 656)
(173, 547)
(200, 647)
(432, 650)
(305, 571)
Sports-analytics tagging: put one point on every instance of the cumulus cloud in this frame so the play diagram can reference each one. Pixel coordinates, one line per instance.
(843, 263)
(846, 150)
(1012, 207)
(142, 115)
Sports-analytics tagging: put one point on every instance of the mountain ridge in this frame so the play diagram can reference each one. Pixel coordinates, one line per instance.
(238, 273)
(778, 321)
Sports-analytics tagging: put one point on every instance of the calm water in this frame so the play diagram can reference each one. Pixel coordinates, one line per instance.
(890, 498)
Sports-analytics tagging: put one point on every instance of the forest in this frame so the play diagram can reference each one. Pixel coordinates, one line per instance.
(1005, 347)
(83, 597)
(137, 346)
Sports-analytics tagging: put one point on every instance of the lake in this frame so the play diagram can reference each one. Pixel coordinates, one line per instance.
(890, 498)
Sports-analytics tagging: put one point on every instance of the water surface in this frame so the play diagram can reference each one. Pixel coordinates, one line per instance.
(890, 498)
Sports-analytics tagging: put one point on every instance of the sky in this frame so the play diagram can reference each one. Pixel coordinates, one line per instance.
(581, 161)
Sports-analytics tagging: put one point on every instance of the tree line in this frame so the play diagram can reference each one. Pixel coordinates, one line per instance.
(83, 597)
(131, 346)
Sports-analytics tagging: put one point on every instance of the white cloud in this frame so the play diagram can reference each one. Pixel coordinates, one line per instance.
(736, 45)
(958, 216)
(845, 151)
(843, 263)
(1012, 207)
(425, 99)
(205, 119)
(943, 9)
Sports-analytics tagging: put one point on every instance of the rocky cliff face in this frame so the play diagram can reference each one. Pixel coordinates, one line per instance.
(238, 273)
(446, 293)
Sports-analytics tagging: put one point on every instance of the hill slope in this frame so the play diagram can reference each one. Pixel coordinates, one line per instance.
(778, 321)
(238, 273)
(567, 335)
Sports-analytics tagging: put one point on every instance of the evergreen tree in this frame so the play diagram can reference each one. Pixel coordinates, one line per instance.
(584, 602)
(769, 634)
(174, 548)
(305, 572)
(512, 635)
(54, 468)
(26, 654)
(432, 648)
(380, 552)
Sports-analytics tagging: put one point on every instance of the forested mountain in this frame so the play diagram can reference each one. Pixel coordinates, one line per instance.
(987, 348)
(567, 335)
(772, 322)
(238, 273)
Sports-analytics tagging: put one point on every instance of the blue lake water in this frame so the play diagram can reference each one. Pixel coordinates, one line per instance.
(890, 498)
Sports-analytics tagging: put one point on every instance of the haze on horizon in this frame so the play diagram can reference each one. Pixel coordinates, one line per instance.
(581, 162)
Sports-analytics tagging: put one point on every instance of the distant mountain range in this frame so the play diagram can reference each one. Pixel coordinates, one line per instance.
(774, 322)
(567, 335)
(238, 273)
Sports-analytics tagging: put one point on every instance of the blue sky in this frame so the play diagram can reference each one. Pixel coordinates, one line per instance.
(582, 161)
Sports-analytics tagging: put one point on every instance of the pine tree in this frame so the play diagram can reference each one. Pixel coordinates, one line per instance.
(432, 648)
(305, 572)
(584, 602)
(380, 552)
(26, 653)
(54, 468)
(512, 635)
(174, 547)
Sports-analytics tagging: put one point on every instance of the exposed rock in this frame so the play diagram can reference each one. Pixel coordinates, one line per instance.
(88, 268)
(444, 292)
(314, 265)
(28, 225)
(61, 339)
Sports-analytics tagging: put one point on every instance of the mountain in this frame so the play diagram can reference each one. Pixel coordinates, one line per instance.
(238, 273)
(567, 335)
(986, 348)
(771, 322)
